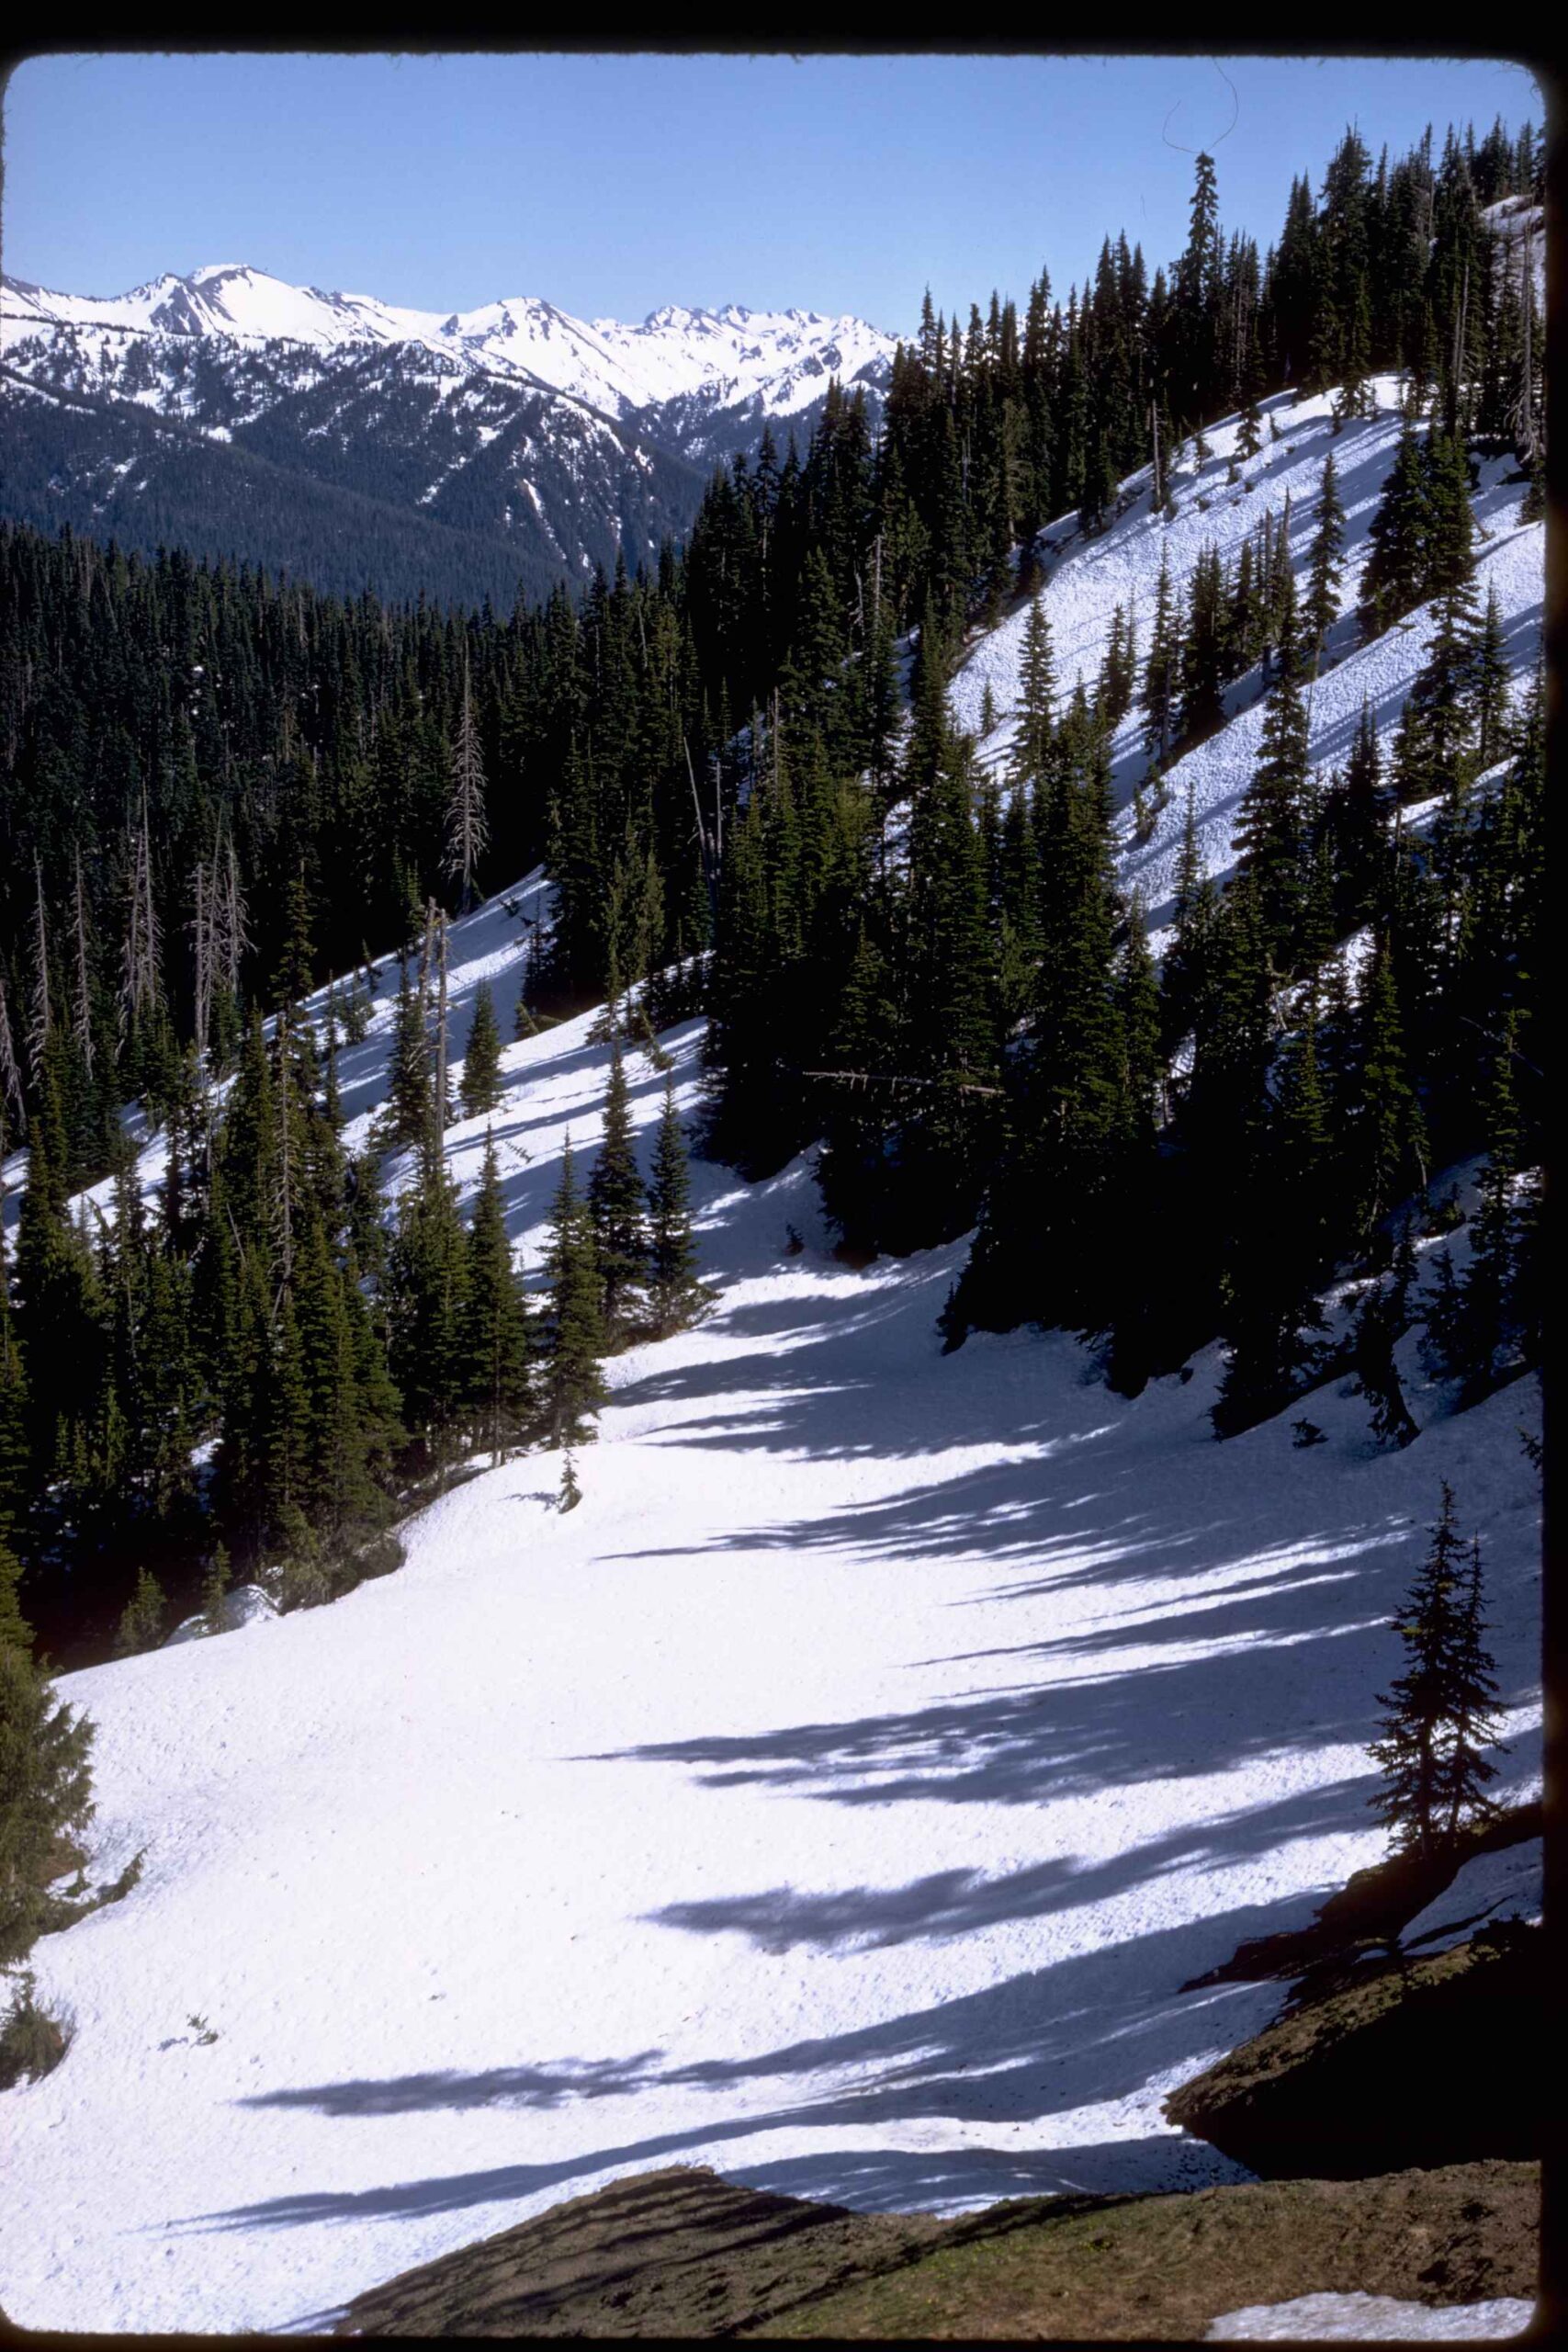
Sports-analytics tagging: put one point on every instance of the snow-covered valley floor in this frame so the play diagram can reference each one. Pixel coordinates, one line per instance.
(840, 1795)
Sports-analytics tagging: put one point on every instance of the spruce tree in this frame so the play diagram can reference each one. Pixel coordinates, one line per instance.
(481, 1089)
(574, 1386)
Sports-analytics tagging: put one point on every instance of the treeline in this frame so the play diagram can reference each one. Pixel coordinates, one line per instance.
(252, 1374)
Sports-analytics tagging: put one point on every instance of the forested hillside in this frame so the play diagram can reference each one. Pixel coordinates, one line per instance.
(760, 781)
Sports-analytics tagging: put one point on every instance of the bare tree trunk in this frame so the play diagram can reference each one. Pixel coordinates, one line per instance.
(10, 1075)
(441, 1049)
(42, 1020)
(84, 989)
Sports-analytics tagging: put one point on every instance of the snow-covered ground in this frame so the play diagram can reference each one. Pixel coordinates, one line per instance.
(1367, 2319)
(840, 1795)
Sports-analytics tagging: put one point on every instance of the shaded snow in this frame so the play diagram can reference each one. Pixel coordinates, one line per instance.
(1507, 1885)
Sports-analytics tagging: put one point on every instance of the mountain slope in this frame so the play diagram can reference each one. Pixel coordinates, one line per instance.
(842, 1795)
(1087, 579)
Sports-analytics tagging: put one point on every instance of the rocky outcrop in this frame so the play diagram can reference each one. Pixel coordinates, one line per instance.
(1394, 2061)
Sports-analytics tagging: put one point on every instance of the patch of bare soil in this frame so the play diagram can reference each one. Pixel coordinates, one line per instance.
(682, 2253)
(671, 2252)
(1161, 2268)
(1392, 2062)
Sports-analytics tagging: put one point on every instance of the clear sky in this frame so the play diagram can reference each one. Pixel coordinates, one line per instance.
(613, 185)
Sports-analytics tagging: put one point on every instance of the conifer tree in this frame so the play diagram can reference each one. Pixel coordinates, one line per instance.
(1380, 1321)
(481, 1058)
(410, 1101)
(1271, 834)
(1395, 573)
(574, 1386)
(1472, 1706)
(1384, 1148)
(426, 1279)
(45, 1792)
(1326, 564)
(616, 1206)
(1442, 1708)
(467, 824)
(498, 1381)
(1162, 672)
(142, 1619)
(215, 1588)
(675, 1295)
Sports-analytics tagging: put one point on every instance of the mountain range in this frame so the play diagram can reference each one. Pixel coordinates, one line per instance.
(358, 443)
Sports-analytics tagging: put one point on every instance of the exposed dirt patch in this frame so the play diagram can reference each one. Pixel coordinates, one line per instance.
(1161, 2268)
(1395, 2061)
(672, 2253)
(682, 2253)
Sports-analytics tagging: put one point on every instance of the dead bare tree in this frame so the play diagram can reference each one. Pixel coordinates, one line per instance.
(468, 829)
(41, 1022)
(84, 1006)
(10, 1074)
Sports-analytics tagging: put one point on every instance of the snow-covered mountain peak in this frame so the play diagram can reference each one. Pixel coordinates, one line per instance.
(677, 354)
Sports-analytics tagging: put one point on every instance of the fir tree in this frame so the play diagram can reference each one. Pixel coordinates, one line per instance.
(495, 1345)
(1472, 1707)
(410, 1096)
(215, 1588)
(142, 1619)
(45, 1793)
(481, 1058)
(574, 1386)
(675, 1295)
(1326, 564)
(616, 1206)
(1271, 834)
(1439, 1712)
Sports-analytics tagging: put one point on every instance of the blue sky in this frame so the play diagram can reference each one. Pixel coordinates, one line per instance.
(612, 184)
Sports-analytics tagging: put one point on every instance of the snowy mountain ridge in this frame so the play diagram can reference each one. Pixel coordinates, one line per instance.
(778, 359)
